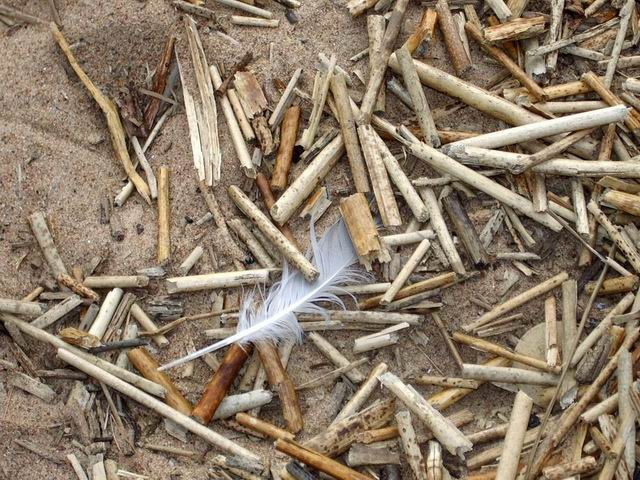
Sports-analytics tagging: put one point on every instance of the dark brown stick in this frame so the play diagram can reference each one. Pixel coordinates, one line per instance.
(288, 136)
(221, 382)
(465, 229)
(159, 82)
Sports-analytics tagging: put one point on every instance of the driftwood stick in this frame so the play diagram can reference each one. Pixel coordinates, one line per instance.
(458, 55)
(625, 13)
(349, 133)
(260, 426)
(516, 29)
(43, 236)
(221, 382)
(269, 199)
(414, 289)
(554, 149)
(252, 243)
(320, 99)
(284, 157)
(447, 165)
(335, 356)
(285, 100)
(625, 405)
(377, 71)
(164, 216)
(517, 301)
(282, 243)
(111, 114)
(406, 271)
(494, 348)
(410, 445)
(514, 438)
(444, 431)
(307, 181)
(157, 406)
(142, 360)
(116, 281)
(376, 26)
(423, 32)
(499, 55)
(551, 332)
(508, 375)
(363, 393)
(439, 226)
(418, 98)
(280, 381)
(464, 229)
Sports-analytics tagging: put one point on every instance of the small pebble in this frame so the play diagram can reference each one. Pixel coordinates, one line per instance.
(292, 18)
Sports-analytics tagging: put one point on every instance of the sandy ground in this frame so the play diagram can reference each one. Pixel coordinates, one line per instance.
(55, 156)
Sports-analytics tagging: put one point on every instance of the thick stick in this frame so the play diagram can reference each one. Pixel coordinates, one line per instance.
(458, 55)
(280, 381)
(221, 382)
(418, 98)
(508, 375)
(282, 243)
(514, 439)
(288, 136)
(376, 76)
(516, 29)
(546, 128)
(424, 31)
(157, 406)
(482, 183)
(307, 181)
(444, 431)
(349, 133)
(376, 26)
(142, 360)
(410, 445)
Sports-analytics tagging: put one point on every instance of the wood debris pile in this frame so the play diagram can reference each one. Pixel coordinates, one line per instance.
(579, 138)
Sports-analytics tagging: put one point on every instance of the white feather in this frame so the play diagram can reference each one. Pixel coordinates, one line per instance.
(275, 319)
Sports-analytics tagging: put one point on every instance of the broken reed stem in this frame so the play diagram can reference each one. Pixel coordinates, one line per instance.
(414, 289)
(260, 426)
(457, 53)
(142, 360)
(320, 99)
(551, 332)
(157, 406)
(534, 89)
(377, 70)
(111, 114)
(410, 445)
(508, 375)
(284, 157)
(418, 98)
(406, 271)
(280, 381)
(164, 216)
(41, 232)
(360, 397)
(517, 301)
(349, 133)
(376, 25)
(424, 31)
(220, 383)
(282, 243)
(514, 438)
(269, 199)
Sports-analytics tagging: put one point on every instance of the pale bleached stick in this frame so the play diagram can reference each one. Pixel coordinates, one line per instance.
(241, 116)
(191, 260)
(376, 25)
(282, 243)
(440, 227)
(625, 405)
(211, 281)
(349, 133)
(252, 243)
(237, 138)
(255, 22)
(447, 165)
(551, 332)
(443, 430)
(43, 236)
(144, 163)
(625, 17)
(126, 375)
(580, 208)
(501, 9)
(145, 322)
(545, 128)
(258, 12)
(555, 29)
(418, 98)
(107, 310)
(116, 281)
(377, 71)
(192, 122)
(406, 271)
(363, 393)
(410, 445)
(508, 375)
(307, 181)
(157, 406)
(514, 438)
(517, 301)
(57, 312)
(626, 248)
(309, 134)
(380, 183)
(285, 100)
(21, 307)
(514, 162)
(401, 239)
(335, 356)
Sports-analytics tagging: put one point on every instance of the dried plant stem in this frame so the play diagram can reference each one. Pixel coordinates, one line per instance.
(514, 438)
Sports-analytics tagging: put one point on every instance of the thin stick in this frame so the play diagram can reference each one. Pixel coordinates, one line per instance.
(43, 236)
(408, 268)
(164, 216)
(364, 392)
(625, 17)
